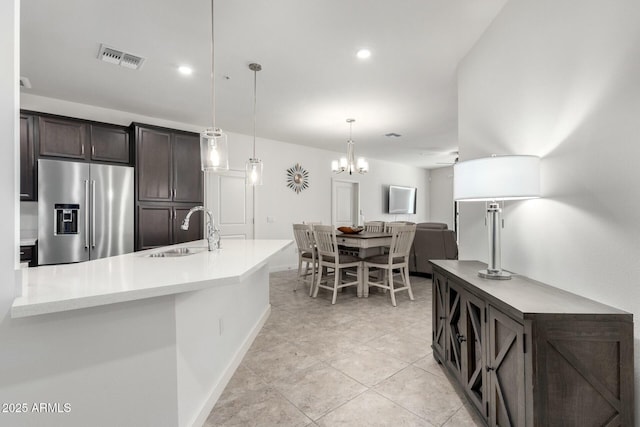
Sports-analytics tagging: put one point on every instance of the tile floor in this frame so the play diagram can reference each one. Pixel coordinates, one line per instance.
(361, 362)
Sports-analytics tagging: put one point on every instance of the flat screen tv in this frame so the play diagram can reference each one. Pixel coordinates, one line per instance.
(402, 200)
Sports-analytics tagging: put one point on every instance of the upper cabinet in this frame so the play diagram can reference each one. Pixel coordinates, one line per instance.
(168, 165)
(28, 180)
(110, 144)
(83, 140)
(63, 138)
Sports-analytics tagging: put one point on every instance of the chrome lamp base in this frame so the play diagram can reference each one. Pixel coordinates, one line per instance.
(495, 275)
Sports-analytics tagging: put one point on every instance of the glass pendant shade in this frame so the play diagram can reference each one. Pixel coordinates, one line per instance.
(254, 172)
(214, 150)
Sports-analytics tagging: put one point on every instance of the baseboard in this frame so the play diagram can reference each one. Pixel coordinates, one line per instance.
(230, 370)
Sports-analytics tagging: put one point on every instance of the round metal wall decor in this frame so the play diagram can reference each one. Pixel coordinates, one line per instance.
(297, 178)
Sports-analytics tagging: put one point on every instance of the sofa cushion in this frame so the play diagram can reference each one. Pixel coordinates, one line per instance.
(432, 225)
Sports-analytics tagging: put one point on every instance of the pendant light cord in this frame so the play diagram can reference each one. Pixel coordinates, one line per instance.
(213, 96)
(255, 90)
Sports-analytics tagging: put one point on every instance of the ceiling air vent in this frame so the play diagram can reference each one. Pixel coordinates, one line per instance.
(118, 57)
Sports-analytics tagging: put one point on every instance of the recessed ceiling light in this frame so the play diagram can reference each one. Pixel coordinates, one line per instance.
(185, 70)
(363, 53)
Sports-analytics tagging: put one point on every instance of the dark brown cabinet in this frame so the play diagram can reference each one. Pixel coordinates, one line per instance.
(527, 354)
(63, 138)
(29, 254)
(168, 165)
(169, 182)
(83, 140)
(28, 180)
(159, 225)
(110, 144)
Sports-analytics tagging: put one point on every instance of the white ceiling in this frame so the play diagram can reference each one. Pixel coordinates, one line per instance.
(311, 80)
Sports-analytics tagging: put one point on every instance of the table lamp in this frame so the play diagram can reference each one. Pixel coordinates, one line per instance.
(493, 179)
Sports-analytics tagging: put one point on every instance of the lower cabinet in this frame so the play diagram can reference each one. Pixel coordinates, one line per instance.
(527, 354)
(159, 225)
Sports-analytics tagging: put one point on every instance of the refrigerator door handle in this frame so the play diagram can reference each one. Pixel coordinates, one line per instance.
(93, 213)
(86, 214)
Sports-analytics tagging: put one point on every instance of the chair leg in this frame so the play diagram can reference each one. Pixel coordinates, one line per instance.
(392, 291)
(314, 268)
(336, 281)
(317, 287)
(365, 282)
(295, 288)
(408, 283)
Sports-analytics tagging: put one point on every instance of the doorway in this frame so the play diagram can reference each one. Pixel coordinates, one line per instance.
(231, 201)
(345, 202)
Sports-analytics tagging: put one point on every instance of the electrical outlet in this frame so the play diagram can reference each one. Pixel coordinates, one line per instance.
(271, 219)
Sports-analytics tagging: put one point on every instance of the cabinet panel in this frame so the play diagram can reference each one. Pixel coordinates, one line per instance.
(474, 373)
(439, 315)
(110, 144)
(195, 225)
(62, 138)
(187, 174)
(153, 165)
(506, 376)
(155, 226)
(28, 179)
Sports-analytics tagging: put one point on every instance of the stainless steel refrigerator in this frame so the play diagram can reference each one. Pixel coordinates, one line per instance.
(85, 211)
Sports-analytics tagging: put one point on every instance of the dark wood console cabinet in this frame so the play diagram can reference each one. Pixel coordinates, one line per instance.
(528, 354)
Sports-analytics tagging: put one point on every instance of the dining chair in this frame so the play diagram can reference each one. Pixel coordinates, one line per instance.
(330, 258)
(374, 226)
(388, 226)
(396, 259)
(307, 254)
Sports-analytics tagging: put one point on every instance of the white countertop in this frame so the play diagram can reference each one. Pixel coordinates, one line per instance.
(57, 288)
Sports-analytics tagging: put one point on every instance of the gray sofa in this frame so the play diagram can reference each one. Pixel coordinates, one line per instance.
(433, 241)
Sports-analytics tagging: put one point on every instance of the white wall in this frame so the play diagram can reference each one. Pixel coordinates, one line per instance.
(441, 191)
(562, 80)
(274, 199)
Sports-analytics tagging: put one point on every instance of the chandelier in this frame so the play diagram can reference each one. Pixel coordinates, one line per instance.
(349, 164)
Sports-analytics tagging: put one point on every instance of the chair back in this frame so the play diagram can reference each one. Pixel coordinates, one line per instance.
(374, 226)
(389, 226)
(326, 240)
(402, 240)
(303, 235)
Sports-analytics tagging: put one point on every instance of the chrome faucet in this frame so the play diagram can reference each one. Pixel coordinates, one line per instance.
(213, 233)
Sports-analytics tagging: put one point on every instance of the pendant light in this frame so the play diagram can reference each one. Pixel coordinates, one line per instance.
(349, 163)
(254, 165)
(214, 149)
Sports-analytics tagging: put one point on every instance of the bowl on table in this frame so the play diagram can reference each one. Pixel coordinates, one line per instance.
(350, 230)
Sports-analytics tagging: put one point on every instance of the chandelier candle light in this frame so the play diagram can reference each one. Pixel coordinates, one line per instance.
(493, 179)
(348, 163)
(254, 165)
(214, 150)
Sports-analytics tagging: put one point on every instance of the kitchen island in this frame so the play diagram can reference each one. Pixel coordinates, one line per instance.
(137, 339)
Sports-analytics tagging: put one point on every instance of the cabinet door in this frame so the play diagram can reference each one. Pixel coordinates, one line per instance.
(63, 138)
(195, 225)
(454, 329)
(473, 350)
(155, 226)
(153, 165)
(110, 144)
(187, 174)
(506, 376)
(27, 158)
(439, 314)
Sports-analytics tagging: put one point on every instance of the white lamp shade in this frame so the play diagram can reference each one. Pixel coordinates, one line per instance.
(497, 178)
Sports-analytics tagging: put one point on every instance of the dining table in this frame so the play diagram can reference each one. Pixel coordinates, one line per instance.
(366, 243)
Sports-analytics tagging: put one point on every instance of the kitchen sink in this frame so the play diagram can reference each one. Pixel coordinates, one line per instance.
(175, 252)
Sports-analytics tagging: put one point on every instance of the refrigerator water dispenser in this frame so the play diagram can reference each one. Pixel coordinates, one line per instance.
(66, 218)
